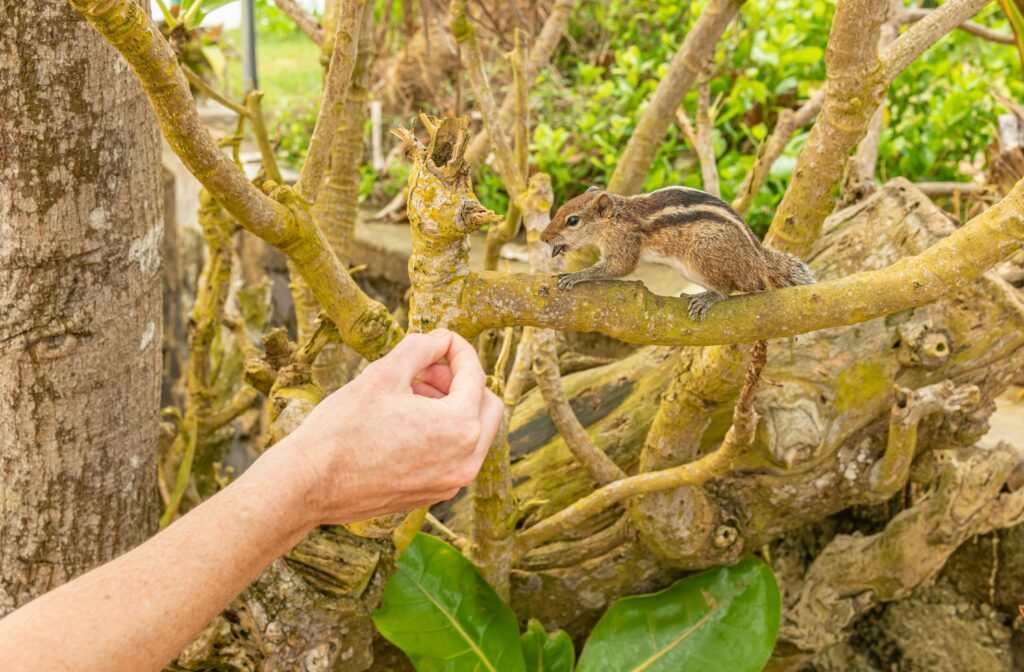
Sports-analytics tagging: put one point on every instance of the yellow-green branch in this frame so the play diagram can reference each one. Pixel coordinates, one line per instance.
(629, 312)
(282, 220)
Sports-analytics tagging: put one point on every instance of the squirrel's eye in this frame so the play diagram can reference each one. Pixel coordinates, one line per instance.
(572, 220)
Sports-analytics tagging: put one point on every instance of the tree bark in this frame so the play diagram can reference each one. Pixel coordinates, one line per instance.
(81, 234)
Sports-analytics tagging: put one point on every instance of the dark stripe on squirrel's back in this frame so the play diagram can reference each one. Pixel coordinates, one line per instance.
(678, 217)
(682, 205)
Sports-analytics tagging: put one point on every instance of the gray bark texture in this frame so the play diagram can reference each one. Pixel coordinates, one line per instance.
(81, 233)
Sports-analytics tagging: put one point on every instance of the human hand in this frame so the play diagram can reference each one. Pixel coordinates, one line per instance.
(407, 432)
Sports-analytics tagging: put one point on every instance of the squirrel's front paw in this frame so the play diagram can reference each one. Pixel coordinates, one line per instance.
(567, 280)
(700, 303)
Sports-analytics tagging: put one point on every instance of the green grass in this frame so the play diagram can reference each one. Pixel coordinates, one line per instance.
(288, 69)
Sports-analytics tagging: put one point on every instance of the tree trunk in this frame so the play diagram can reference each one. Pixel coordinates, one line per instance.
(81, 232)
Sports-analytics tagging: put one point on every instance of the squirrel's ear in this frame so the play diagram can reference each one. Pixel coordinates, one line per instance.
(592, 189)
(604, 204)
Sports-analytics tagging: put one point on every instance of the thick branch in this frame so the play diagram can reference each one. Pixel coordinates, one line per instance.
(710, 466)
(540, 54)
(852, 93)
(857, 80)
(280, 219)
(339, 77)
(854, 573)
(697, 49)
(303, 19)
(629, 312)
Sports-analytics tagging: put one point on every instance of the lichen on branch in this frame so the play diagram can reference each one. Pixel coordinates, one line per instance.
(629, 312)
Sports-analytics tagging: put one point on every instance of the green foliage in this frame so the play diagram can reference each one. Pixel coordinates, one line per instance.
(444, 616)
(586, 105)
(547, 651)
(940, 116)
(275, 24)
(941, 110)
(721, 620)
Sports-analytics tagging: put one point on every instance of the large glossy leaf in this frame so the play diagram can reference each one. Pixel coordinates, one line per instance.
(444, 616)
(722, 620)
(1015, 12)
(547, 652)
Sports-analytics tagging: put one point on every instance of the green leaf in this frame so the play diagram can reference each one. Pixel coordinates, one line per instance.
(203, 11)
(444, 616)
(722, 620)
(1015, 12)
(547, 652)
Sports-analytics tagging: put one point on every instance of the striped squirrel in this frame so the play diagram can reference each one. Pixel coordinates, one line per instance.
(694, 232)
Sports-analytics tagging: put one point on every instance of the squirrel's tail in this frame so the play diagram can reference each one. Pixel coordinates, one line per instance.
(785, 270)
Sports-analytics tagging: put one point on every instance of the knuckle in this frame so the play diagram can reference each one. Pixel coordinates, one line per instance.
(468, 434)
(415, 340)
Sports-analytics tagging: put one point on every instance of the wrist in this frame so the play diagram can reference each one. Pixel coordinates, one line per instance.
(282, 477)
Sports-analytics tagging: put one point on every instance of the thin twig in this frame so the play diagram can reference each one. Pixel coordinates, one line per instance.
(259, 129)
(705, 145)
(303, 19)
(192, 11)
(243, 400)
(950, 188)
(197, 81)
(540, 54)
(925, 33)
(912, 14)
(169, 19)
(709, 467)
(786, 126)
(545, 368)
(182, 478)
(499, 235)
(445, 531)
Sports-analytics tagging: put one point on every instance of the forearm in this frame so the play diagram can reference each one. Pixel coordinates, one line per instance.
(138, 611)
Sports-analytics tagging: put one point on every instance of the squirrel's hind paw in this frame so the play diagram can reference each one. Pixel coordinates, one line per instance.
(700, 303)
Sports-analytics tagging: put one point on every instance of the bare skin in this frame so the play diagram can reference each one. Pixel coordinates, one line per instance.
(408, 432)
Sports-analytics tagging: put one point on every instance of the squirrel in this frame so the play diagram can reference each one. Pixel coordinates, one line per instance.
(699, 235)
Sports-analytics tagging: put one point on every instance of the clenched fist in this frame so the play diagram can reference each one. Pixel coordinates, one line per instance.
(409, 431)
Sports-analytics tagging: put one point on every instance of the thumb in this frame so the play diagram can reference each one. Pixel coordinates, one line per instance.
(413, 354)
